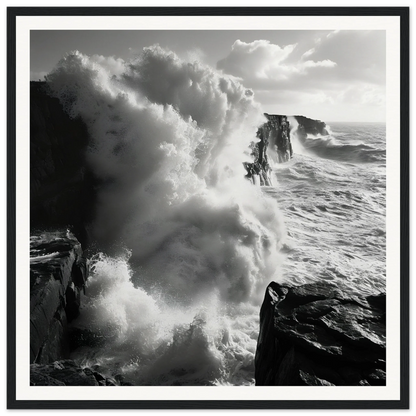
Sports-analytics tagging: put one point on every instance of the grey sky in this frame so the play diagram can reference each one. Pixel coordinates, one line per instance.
(329, 75)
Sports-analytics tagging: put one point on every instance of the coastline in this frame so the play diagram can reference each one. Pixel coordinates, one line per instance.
(50, 214)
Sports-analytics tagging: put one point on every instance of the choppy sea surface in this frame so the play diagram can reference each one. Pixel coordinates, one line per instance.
(333, 196)
(184, 245)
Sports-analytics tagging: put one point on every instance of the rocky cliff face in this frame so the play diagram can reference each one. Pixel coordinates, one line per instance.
(58, 272)
(310, 126)
(311, 335)
(61, 187)
(68, 373)
(315, 335)
(274, 144)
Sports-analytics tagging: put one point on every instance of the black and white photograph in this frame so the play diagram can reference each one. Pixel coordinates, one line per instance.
(208, 208)
(194, 169)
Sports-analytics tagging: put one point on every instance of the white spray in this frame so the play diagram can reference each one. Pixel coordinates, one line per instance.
(168, 139)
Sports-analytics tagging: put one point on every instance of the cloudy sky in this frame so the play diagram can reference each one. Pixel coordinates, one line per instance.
(327, 75)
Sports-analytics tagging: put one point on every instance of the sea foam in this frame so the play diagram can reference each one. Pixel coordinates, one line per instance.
(168, 139)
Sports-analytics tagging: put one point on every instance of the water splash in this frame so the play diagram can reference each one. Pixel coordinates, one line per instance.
(168, 139)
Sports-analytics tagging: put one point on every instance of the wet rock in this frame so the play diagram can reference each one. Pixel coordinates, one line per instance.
(312, 380)
(310, 126)
(64, 372)
(98, 376)
(61, 186)
(39, 379)
(377, 378)
(88, 371)
(80, 272)
(119, 378)
(54, 296)
(274, 145)
(110, 382)
(73, 301)
(273, 139)
(84, 338)
(316, 335)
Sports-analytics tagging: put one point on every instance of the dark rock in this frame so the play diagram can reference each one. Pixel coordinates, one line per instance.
(310, 126)
(73, 301)
(316, 335)
(57, 345)
(110, 382)
(274, 142)
(65, 372)
(277, 130)
(273, 138)
(62, 192)
(54, 297)
(312, 380)
(75, 378)
(378, 301)
(88, 372)
(98, 376)
(119, 378)
(377, 378)
(84, 338)
(80, 272)
(61, 186)
(39, 379)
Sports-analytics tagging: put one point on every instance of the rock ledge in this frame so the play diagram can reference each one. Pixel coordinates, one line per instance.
(316, 335)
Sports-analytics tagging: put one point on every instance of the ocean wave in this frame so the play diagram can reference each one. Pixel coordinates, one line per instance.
(168, 139)
(337, 147)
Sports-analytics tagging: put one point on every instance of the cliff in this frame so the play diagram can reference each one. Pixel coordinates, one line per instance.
(315, 335)
(61, 186)
(68, 373)
(310, 126)
(296, 332)
(274, 144)
(58, 272)
(62, 195)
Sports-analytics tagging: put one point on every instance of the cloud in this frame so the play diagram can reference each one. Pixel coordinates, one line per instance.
(261, 64)
(360, 55)
(308, 53)
(363, 94)
(337, 57)
(332, 34)
(335, 68)
(260, 58)
(355, 103)
(324, 64)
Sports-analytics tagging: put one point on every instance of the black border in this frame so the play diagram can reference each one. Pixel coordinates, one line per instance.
(13, 13)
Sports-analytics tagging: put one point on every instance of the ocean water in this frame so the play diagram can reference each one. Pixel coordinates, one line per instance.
(333, 196)
(184, 245)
